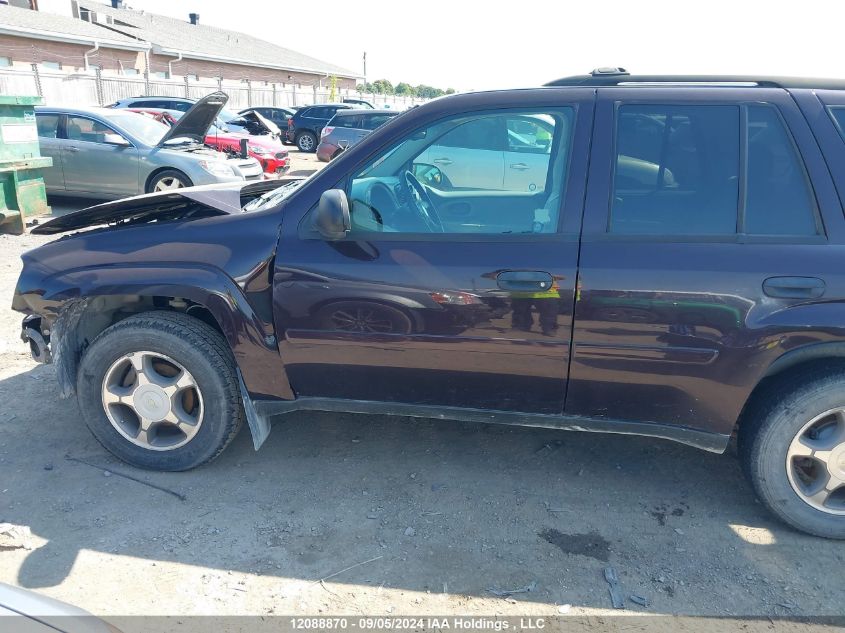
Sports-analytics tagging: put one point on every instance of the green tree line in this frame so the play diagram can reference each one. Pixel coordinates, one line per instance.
(403, 89)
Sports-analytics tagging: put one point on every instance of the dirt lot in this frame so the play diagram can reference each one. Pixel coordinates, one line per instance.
(398, 516)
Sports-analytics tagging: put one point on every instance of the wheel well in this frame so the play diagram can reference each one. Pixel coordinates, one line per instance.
(152, 176)
(104, 311)
(784, 377)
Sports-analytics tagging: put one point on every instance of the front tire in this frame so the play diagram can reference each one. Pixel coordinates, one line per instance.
(160, 390)
(306, 142)
(167, 180)
(792, 446)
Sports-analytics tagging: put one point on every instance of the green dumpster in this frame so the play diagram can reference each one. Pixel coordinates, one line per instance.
(22, 193)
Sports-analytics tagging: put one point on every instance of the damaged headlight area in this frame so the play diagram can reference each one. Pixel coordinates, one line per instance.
(59, 344)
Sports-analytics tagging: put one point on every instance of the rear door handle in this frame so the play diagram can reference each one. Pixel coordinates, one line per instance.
(524, 280)
(794, 287)
(519, 166)
(443, 161)
(72, 149)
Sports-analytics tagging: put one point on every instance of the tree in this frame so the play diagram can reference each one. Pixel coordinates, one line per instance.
(333, 89)
(405, 89)
(450, 91)
(383, 87)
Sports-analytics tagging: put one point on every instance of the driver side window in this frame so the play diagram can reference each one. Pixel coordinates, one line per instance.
(492, 173)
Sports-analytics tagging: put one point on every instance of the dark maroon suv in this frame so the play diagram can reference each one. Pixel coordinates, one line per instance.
(661, 256)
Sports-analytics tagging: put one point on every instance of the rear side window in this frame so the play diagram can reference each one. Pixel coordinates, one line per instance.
(677, 170)
(708, 170)
(165, 105)
(778, 196)
(347, 121)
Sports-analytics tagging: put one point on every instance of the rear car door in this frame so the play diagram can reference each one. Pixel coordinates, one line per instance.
(92, 165)
(703, 240)
(430, 310)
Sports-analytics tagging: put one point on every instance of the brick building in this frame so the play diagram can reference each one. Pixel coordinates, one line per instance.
(83, 35)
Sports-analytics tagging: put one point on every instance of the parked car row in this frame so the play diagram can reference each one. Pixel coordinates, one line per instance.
(112, 153)
(267, 150)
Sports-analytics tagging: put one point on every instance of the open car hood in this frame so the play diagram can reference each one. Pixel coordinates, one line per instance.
(195, 123)
(271, 127)
(180, 204)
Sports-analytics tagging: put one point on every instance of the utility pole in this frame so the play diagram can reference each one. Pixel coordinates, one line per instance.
(365, 67)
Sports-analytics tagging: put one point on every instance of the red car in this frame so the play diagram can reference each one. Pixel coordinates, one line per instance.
(266, 150)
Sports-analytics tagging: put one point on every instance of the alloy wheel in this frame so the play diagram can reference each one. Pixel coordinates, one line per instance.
(306, 142)
(815, 462)
(152, 401)
(168, 182)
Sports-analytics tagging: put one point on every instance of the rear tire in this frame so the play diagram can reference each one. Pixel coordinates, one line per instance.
(792, 447)
(306, 142)
(168, 179)
(179, 409)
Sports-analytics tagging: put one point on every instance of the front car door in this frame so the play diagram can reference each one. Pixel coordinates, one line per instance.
(703, 240)
(95, 165)
(49, 125)
(469, 311)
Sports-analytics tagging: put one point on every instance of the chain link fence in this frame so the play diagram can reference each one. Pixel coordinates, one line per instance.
(95, 89)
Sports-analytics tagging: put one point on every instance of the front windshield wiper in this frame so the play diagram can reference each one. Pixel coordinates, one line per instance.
(273, 197)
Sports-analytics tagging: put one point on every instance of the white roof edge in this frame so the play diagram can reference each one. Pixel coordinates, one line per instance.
(56, 36)
(244, 62)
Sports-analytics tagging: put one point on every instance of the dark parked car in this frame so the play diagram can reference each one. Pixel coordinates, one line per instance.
(305, 126)
(694, 300)
(359, 102)
(347, 128)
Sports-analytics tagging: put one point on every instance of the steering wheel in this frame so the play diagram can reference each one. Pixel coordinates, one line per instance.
(423, 203)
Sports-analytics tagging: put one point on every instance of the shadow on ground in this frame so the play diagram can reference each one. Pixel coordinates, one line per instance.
(446, 507)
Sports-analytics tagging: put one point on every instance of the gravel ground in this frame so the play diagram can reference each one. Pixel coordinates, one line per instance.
(398, 516)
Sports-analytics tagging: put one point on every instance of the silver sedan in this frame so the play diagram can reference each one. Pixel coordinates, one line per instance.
(108, 153)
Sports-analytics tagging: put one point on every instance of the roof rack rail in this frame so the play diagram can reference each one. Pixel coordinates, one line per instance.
(621, 77)
(608, 71)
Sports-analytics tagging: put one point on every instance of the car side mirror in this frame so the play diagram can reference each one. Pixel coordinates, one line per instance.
(331, 218)
(430, 175)
(115, 139)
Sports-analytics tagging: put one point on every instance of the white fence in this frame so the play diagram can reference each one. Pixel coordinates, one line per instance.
(94, 88)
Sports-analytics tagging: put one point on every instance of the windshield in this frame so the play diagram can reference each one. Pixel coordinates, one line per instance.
(227, 115)
(274, 197)
(143, 128)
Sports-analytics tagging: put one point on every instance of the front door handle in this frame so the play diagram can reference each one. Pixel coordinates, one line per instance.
(524, 280)
(519, 166)
(794, 287)
(442, 161)
(73, 149)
